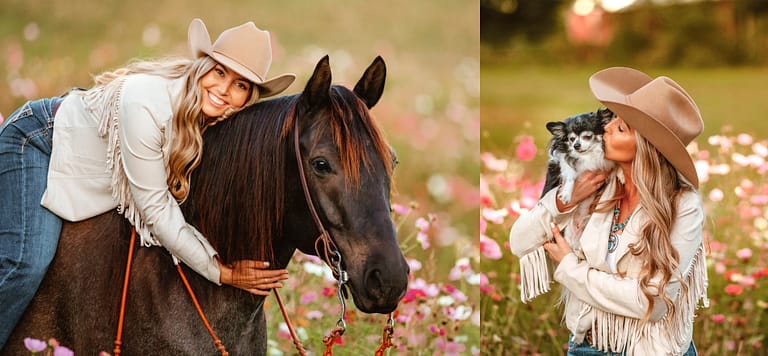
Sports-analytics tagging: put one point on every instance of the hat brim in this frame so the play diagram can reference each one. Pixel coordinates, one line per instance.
(614, 97)
(267, 88)
(200, 45)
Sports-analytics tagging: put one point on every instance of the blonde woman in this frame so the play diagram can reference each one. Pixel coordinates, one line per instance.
(635, 274)
(131, 143)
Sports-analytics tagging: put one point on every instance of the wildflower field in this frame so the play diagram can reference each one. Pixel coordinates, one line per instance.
(731, 160)
(429, 114)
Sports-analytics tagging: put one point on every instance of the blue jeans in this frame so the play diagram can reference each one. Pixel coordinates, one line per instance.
(584, 349)
(29, 233)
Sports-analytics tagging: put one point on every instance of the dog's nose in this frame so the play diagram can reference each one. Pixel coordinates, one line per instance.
(577, 146)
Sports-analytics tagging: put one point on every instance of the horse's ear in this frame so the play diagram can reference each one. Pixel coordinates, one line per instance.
(371, 85)
(318, 87)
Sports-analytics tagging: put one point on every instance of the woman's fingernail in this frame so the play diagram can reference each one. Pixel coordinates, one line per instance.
(552, 225)
(266, 264)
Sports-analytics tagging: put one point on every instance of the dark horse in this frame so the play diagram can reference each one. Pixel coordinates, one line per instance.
(246, 189)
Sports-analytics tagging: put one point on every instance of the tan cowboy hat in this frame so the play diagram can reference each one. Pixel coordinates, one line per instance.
(244, 49)
(659, 109)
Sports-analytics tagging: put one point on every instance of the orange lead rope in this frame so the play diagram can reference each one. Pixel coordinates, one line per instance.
(299, 346)
(121, 319)
(216, 340)
(119, 336)
(386, 337)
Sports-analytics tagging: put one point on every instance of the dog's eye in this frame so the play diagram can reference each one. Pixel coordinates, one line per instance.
(587, 137)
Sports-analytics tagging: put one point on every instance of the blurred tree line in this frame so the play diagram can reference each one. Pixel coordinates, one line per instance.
(704, 33)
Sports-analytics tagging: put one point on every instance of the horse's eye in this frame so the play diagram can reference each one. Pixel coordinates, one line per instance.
(321, 166)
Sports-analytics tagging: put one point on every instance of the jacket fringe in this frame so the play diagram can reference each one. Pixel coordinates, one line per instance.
(615, 333)
(103, 102)
(535, 276)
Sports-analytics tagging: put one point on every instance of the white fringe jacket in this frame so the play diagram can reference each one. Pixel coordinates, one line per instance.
(609, 305)
(110, 150)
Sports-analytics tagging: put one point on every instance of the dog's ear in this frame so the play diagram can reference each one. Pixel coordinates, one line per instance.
(605, 116)
(556, 128)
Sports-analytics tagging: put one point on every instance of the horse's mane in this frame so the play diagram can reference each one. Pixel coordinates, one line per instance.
(237, 196)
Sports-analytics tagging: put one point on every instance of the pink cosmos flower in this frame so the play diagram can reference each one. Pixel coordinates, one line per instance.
(422, 224)
(400, 209)
(413, 294)
(761, 199)
(720, 267)
(702, 170)
(760, 149)
(718, 318)
(457, 294)
(744, 139)
(494, 216)
(744, 253)
(314, 314)
(308, 297)
(449, 348)
(492, 163)
(747, 281)
(733, 289)
(716, 195)
(460, 270)
(62, 351)
(414, 264)
(423, 239)
(35, 345)
(740, 159)
(526, 150)
(489, 248)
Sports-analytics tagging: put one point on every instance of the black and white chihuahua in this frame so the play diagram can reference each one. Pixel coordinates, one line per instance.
(576, 147)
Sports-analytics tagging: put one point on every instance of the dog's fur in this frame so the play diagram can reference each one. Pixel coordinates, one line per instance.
(576, 147)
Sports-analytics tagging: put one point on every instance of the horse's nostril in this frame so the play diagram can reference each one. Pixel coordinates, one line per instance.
(373, 282)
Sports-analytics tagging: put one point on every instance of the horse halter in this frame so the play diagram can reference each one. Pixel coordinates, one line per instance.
(333, 260)
(330, 251)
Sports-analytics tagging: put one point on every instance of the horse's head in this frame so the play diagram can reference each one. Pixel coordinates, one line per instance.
(348, 168)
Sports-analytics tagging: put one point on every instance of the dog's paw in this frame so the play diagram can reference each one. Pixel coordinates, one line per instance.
(564, 195)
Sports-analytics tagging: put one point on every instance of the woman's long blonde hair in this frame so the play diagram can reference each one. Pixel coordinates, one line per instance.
(659, 186)
(189, 122)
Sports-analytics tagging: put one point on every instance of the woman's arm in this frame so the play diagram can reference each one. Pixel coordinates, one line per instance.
(623, 296)
(531, 230)
(142, 157)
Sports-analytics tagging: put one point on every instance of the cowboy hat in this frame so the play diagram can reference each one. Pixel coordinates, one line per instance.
(658, 108)
(244, 49)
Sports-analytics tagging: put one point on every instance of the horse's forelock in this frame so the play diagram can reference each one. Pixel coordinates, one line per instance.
(352, 127)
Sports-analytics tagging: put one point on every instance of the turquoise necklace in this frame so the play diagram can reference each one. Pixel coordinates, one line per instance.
(613, 237)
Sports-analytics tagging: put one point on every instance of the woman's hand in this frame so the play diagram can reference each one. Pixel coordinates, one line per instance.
(584, 186)
(559, 248)
(252, 276)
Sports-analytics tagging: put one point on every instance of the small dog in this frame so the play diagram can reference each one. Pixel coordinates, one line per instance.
(576, 147)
